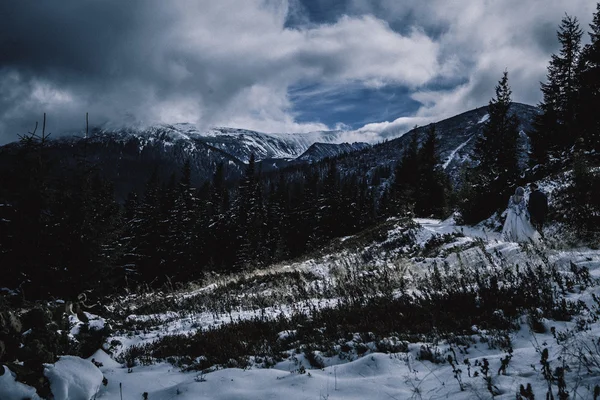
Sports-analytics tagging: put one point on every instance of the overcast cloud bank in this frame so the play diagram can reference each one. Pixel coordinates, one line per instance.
(232, 63)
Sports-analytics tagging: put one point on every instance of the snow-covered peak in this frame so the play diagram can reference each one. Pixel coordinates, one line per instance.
(240, 143)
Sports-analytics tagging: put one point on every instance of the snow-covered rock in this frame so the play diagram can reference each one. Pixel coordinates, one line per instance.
(73, 378)
(10, 389)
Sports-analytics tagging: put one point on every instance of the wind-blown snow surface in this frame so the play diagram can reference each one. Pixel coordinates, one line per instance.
(374, 375)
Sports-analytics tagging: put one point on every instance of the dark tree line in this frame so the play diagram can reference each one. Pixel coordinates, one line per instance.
(62, 231)
(571, 98)
(57, 230)
(566, 134)
(177, 232)
(420, 186)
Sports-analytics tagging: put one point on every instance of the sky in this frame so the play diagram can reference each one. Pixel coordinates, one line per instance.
(373, 67)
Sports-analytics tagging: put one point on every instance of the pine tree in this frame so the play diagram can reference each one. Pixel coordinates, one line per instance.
(311, 217)
(249, 217)
(32, 221)
(304, 217)
(579, 203)
(348, 213)
(588, 101)
(367, 205)
(182, 237)
(328, 205)
(406, 178)
(215, 224)
(554, 130)
(278, 219)
(490, 182)
(144, 240)
(430, 196)
(88, 228)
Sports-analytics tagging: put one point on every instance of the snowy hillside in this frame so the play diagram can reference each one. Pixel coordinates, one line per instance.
(239, 143)
(319, 151)
(456, 139)
(536, 324)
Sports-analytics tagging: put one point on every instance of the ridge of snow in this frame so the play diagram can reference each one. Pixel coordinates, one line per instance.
(453, 153)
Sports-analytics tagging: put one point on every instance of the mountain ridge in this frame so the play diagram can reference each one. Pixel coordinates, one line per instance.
(456, 140)
(129, 155)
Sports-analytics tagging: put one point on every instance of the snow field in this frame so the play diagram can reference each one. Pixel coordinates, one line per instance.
(374, 375)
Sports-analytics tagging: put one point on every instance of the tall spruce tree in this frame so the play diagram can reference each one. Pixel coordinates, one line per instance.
(406, 177)
(554, 129)
(329, 203)
(432, 184)
(588, 102)
(182, 236)
(491, 180)
(145, 244)
(249, 218)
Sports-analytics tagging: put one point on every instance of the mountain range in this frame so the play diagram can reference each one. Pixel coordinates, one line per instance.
(128, 156)
(456, 142)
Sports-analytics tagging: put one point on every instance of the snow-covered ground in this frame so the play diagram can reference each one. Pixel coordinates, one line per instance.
(374, 376)
(573, 346)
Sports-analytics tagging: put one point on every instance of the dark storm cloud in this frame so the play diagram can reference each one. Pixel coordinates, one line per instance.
(70, 57)
(226, 62)
(232, 62)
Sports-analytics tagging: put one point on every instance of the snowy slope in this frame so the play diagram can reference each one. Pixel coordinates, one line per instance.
(238, 143)
(319, 151)
(456, 141)
(241, 143)
(401, 250)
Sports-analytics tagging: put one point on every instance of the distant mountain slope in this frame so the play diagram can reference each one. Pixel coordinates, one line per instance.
(456, 141)
(319, 151)
(240, 143)
(128, 156)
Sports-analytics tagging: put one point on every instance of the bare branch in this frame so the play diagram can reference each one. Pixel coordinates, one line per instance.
(34, 129)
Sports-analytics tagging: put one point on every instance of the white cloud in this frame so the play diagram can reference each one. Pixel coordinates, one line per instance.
(210, 63)
(231, 62)
(479, 40)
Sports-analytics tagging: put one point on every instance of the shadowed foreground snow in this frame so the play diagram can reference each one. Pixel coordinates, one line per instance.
(375, 375)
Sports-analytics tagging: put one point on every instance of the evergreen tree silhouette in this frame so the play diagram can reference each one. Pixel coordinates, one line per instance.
(490, 181)
(554, 129)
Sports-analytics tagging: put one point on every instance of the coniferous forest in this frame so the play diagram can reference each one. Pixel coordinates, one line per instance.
(63, 231)
(173, 232)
